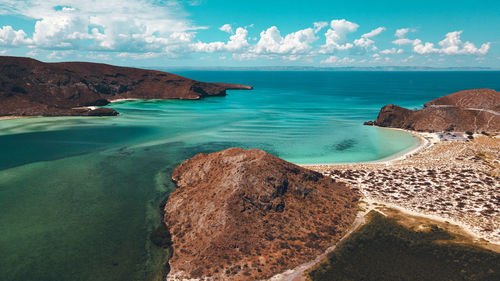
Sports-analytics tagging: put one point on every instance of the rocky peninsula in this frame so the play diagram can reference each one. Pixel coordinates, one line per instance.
(475, 110)
(248, 215)
(32, 88)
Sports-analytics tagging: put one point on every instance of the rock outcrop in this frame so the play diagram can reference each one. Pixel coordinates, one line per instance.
(472, 110)
(29, 87)
(247, 215)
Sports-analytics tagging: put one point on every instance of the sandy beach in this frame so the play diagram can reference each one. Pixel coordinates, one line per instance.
(456, 182)
(14, 117)
(118, 100)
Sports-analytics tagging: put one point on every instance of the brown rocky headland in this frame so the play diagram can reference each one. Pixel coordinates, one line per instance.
(471, 110)
(248, 215)
(32, 88)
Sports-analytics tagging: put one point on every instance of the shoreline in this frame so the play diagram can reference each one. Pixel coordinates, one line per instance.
(16, 117)
(367, 205)
(119, 100)
(454, 176)
(425, 140)
(379, 181)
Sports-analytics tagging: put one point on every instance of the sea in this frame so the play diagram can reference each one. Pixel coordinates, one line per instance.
(79, 196)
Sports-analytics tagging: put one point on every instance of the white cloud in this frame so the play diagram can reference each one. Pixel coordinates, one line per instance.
(271, 42)
(226, 28)
(453, 45)
(408, 59)
(331, 59)
(138, 56)
(142, 29)
(424, 48)
(365, 43)
(319, 25)
(336, 36)
(403, 41)
(112, 25)
(237, 42)
(401, 33)
(337, 60)
(374, 32)
(10, 37)
(58, 55)
(392, 51)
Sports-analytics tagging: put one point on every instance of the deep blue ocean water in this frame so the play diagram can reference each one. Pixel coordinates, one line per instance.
(79, 196)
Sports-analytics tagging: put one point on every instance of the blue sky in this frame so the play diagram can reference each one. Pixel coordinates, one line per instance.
(254, 33)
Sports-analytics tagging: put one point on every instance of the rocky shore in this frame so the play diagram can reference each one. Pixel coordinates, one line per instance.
(475, 110)
(32, 88)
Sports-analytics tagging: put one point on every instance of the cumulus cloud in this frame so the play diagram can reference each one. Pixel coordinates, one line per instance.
(424, 48)
(392, 51)
(374, 32)
(111, 25)
(401, 33)
(142, 29)
(318, 26)
(336, 36)
(365, 43)
(403, 41)
(11, 38)
(271, 42)
(237, 42)
(226, 28)
(453, 45)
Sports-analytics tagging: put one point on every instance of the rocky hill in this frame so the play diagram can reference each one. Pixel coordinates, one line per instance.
(247, 215)
(472, 110)
(29, 87)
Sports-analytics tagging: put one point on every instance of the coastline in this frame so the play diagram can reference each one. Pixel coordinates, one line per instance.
(425, 140)
(453, 158)
(299, 273)
(15, 117)
(119, 100)
(459, 178)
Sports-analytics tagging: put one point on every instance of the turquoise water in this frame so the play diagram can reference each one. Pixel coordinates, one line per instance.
(79, 196)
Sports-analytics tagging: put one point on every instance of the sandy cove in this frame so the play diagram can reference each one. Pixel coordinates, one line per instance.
(456, 181)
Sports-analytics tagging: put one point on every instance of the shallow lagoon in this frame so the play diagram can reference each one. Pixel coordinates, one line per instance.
(79, 196)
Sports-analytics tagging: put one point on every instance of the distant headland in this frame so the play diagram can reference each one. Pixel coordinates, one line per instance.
(33, 88)
(475, 110)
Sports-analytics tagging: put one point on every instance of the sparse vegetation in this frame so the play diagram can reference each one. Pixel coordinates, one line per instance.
(386, 250)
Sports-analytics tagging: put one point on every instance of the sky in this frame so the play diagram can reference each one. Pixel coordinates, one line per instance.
(206, 33)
